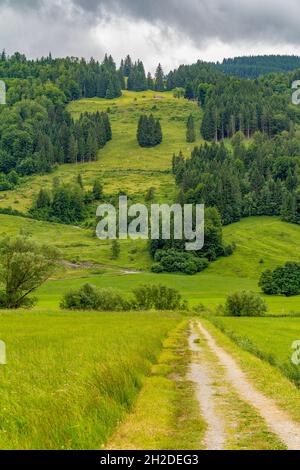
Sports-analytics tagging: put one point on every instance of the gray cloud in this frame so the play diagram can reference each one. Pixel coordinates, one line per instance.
(68, 26)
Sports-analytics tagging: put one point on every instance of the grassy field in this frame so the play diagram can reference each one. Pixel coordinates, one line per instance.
(262, 243)
(274, 336)
(267, 378)
(268, 338)
(70, 377)
(122, 164)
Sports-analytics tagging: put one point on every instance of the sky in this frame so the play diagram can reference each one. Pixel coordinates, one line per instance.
(168, 31)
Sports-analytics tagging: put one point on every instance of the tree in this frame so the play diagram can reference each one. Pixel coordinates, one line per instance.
(24, 266)
(115, 249)
(150, 83)
(43, 200)
(149, 133)
(190, 131)
(159, 79)
(245, 304)
(284, 280)
(97, 190)
(79, 180)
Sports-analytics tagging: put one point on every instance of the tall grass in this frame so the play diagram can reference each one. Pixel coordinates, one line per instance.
(257, 347)
(70, 377)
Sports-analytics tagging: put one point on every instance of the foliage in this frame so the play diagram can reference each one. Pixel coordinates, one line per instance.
(88, 297)
(190, 130)
(149, 132)
(283, 280)
(65, 204)
(245, 304)
(178, 261)
(157, 296)
(115, 249)
(24, 266)
(254, 66)
(146, 297)
(251, 179)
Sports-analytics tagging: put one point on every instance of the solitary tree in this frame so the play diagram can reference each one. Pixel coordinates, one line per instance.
(115, 249)
(190, 131)
(159, 79)
(97, 190)
(24, 266)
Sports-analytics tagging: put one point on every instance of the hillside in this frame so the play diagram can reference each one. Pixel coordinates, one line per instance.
(254, 66)
(122, 165)
(94, 264)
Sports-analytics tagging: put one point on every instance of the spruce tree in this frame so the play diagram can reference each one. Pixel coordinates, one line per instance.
(159, 79)
(190, 131)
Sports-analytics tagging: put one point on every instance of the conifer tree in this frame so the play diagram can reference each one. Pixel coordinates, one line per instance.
(97, 190)
(190, 131)
(159, 79)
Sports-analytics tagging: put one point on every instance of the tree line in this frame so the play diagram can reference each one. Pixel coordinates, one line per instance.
(245, 180)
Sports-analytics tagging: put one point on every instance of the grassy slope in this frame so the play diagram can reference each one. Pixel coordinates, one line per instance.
(122, 164)
(70, 377)
(258, 239)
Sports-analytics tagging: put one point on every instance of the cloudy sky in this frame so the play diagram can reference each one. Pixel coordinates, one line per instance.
(169, 31)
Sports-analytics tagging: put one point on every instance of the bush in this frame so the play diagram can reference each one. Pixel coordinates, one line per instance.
(146, 297)
(245, 304)
(88, 297)
(284, 280)
(159, 297)
(178, 261)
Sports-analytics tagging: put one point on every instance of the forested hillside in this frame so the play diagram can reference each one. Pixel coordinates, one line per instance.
(254, 66)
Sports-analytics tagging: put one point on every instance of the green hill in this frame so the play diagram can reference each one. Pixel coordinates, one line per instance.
(122, 165)
(262, 243)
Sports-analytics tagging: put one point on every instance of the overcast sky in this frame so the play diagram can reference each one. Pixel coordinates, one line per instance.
(169, 31)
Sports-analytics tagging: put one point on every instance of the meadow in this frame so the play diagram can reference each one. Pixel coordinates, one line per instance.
(122, 165)
(262, 243)
(269, 339)
(71, 377)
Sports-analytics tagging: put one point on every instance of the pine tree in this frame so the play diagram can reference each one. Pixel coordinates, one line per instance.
(73, 149)
(127, 66)
(149, 133)
(189, 92)
(97, 190)
(190, 132)
(150, 83)
(159, 79)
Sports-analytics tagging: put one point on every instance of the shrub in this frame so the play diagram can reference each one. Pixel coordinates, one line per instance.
(178, 261)
(146, 297)
(283, 280)
(246, 304)
(88, 297)
(159, 297)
